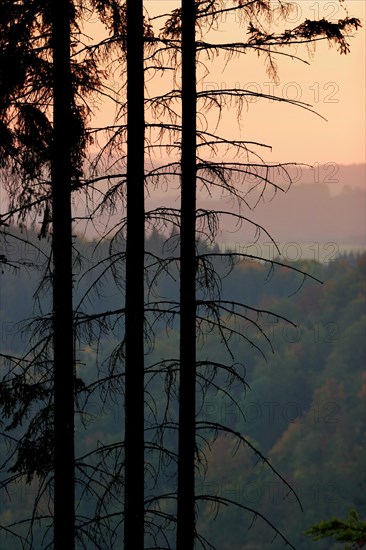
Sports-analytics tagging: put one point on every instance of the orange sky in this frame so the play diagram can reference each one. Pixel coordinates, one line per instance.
(334, 84)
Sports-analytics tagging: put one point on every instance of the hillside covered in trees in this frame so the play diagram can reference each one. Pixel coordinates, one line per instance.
(304, 407)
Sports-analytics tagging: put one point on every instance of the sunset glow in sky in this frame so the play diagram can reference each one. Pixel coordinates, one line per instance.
(333, 84)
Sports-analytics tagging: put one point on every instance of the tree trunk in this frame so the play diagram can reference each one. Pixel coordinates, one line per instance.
(134, 367)
(63, 337)
(187, 407)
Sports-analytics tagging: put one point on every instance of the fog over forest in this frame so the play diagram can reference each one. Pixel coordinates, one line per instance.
(324, 205)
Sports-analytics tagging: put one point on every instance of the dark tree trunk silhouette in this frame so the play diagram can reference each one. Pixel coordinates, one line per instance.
(187, 408)
(134, 371)
(64, 509)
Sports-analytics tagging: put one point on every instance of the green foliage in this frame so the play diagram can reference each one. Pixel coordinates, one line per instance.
(305, 409)
(352, 530)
